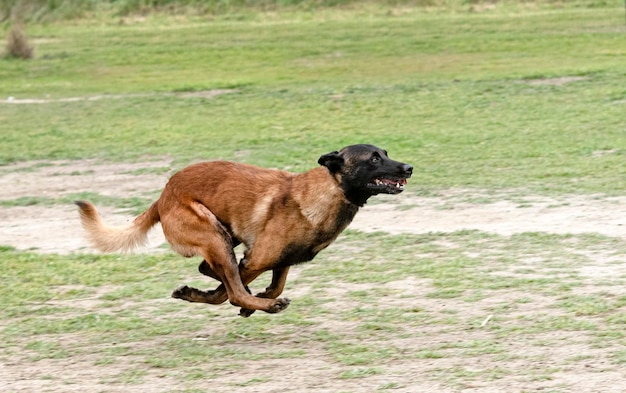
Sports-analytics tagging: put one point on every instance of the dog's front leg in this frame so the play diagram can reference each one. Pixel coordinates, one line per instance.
(279, 278)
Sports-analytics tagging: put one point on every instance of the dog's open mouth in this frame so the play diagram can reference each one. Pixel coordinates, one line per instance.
(387, 185)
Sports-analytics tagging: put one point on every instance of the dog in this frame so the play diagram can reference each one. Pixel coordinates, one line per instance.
(282, 219)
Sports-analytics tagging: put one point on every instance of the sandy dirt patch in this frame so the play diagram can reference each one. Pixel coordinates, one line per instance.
(55, 227)
(568, 214)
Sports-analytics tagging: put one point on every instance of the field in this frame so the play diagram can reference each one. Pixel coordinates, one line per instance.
(500, 269)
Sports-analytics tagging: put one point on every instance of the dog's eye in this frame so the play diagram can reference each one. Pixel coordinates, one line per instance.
(375, 159)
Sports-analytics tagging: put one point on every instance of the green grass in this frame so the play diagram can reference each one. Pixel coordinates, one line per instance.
(447, 92)
(133, 204)
(42, 10)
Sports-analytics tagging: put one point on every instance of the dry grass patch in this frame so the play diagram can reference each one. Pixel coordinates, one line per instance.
(18, 46)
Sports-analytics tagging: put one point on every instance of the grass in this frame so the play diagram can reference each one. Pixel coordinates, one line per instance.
(522, 97)
(46, 11)
(137, 205)
(446, 92)
(112, 309)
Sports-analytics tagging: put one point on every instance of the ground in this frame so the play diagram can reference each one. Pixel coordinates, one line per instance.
(548, 360)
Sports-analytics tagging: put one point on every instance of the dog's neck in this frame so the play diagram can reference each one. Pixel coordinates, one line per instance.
(326, 205)
(355, 197)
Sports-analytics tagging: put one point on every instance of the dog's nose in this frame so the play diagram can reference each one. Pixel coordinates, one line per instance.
(408, 169)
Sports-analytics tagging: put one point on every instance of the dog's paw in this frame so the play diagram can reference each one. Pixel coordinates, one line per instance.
(279, 305)
(246, 312)
(181, 292)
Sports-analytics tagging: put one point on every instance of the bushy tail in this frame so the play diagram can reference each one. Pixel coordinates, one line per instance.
(110, 239)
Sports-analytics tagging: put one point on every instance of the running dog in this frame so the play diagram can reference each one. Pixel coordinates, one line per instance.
(282, 219)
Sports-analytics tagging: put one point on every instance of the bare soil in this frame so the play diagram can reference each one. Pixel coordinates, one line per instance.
(55, 228)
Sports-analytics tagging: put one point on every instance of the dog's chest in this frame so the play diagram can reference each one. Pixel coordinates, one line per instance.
(306, 245)
(295, 252)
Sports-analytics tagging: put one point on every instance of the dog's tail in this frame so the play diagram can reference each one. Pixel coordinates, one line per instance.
(110, 239)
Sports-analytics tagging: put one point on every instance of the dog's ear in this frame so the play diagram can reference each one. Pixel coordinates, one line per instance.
(333, 161)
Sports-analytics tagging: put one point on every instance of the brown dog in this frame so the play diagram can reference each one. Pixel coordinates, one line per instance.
(282, 218)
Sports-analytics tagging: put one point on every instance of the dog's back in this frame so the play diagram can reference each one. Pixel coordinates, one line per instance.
(249, 200)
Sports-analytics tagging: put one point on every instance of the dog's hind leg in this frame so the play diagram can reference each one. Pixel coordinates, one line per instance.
(205, 269)
(201, 232)
(197, 231)
(279, 278)
(196, 295)
(217, 296)
(238, 294)
(220, 294)
(248, 273)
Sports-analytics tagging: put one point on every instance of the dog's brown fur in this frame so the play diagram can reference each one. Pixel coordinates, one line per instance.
(282, 219)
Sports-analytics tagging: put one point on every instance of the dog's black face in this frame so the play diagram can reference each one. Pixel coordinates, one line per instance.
(366, 170)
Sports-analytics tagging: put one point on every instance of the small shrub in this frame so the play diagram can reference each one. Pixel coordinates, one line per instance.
(17, 44)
